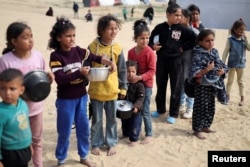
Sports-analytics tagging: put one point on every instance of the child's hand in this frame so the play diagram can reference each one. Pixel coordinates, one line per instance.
(51, 76)
(1, 164)
(121, 97)
(113, 67)
(220, 72)
(210, 66)
(157, 46)
(84, 70)
(135, 110)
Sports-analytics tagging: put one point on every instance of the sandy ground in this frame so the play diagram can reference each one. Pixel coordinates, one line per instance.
(173, 145)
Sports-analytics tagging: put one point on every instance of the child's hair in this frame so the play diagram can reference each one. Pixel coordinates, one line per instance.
(61, 26)
(139, 27)
(194, 7)
(238, 23)
(13, 32)
(187, 14)
(172, 8)
(103, 23)
(131, 63)
(204, 33)
(10, 74)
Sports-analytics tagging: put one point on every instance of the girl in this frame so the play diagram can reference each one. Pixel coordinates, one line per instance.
(66, 63)
(146, 59)
(236, 50)
(208, 71)
(19, 54)
(196, 23)
(103, 95)
(173, 40)
(131, 127)
(187, 58)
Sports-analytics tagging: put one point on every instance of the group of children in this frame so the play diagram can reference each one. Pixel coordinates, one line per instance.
(131, 80)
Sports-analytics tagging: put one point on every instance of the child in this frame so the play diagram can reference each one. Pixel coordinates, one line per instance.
(174, 38)
(146, 59)
(209, 71)
(15, 133)
(235, 48)
(187, 58)
(131, 127)
(89, 16)
(103, 95)
(196, 23)
(124, 12)
(66, 63)
(19, 54)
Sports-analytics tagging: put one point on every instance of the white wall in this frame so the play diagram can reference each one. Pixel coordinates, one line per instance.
(221, 13)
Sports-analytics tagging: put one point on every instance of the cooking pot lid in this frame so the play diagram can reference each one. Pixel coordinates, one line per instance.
(124, 105)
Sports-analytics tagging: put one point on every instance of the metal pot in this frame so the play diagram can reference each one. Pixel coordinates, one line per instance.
(124, 109)
(37, 86)
(98, 74)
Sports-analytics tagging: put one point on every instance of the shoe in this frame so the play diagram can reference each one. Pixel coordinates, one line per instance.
(182, 108)
(155, 114)
(171, 120)
(188, 114)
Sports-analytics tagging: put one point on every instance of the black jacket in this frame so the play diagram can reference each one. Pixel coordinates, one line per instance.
(172, 39)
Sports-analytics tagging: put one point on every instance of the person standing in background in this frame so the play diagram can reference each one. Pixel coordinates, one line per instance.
(125, 12)
(149, 14)
(235, 49)
(196, 22)
(75, 9)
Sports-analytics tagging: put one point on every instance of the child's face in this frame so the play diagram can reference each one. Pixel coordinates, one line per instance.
(174, 18)
(110, 32)
(184, 20)
(240, 31)
(208, 42)
(195, 16)
(131, 72)
(10, 91)
(142, 40)
(67, 39)
(24, 42)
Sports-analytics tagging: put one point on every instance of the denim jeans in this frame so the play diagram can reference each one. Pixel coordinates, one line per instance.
(98, 139)
(189, 101)
(146, 112)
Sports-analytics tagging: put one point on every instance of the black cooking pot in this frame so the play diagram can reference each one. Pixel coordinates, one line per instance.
(124, 109)
(37, 86)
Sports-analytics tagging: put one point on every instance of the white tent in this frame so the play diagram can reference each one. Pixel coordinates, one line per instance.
(131, 2)
(221, 14)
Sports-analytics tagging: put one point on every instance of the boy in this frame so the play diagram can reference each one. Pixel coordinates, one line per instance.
(15, 133)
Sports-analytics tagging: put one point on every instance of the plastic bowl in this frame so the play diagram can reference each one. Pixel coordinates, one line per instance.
(98, 74)
(37, 86)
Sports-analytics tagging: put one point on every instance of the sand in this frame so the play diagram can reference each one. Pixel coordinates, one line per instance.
(173, 145)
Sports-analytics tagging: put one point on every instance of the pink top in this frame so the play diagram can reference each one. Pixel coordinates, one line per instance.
(35, 61)
(146, 60)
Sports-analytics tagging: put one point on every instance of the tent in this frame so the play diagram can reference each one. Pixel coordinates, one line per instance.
(221, 14)
(91, 3)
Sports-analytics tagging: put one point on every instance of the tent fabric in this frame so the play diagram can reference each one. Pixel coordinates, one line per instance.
(92, 3)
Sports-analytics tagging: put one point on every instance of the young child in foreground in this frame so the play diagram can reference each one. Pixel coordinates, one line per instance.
(209, 72)
(15, 132)
(66, 63)
(131, 127)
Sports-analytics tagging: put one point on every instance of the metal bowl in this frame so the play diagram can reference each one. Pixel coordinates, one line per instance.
(37, 86)
(98, 74)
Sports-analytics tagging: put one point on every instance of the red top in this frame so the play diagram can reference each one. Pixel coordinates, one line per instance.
(146, 60)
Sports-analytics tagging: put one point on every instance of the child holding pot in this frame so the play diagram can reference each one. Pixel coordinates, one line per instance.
(131, 127)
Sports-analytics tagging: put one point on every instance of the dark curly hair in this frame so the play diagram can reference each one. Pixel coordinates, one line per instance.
(103, 23)
(139, 27)
(61, 26)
